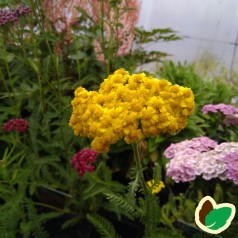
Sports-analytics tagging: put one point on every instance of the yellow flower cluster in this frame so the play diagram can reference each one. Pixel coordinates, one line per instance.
(156, 188)
(130, 107)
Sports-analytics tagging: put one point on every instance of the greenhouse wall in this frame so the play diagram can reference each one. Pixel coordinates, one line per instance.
(209, 29)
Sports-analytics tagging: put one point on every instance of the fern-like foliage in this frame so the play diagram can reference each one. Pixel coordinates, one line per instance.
(34, 126)
(156, 173)
(133, 185)
(164, 233)
(35, 223)
(71, 222)
(10, 217)
(103, 226)
(97, 185)
(127, 208)
(152, 214)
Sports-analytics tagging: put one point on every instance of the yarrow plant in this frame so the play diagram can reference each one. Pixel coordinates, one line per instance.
(231, 161)
(19, 125)
(155, 188)
(83, 161)
(181, 166)
(231, 120)
(207, 160)
(229, 112)
(223, 108)
(13, 15)
(191, 147)
(130, 107)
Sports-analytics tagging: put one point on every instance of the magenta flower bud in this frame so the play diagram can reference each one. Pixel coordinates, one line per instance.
(83, 161)
(19, 125)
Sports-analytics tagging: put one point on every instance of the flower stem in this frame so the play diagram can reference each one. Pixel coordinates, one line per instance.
(146, 215)
(139, 168)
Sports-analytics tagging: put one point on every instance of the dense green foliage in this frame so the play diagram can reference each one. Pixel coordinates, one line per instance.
(38, 185)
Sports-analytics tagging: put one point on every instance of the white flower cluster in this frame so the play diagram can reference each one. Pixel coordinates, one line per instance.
(210, 165)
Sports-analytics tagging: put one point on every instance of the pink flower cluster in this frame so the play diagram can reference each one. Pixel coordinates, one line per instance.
(211, 161)
(231, 161)
(181, 169)
(223, 108)
(13, 15)
(229, 112)
(63, 14)
(19, 125)
(231, 119)
(128, 15)
(83, 160)
(182, 166)
(191, 147)
(210, 165)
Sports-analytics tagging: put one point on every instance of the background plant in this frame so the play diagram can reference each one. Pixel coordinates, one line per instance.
(207, 90)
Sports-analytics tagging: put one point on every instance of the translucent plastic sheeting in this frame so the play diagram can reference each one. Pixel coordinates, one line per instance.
(209, 28)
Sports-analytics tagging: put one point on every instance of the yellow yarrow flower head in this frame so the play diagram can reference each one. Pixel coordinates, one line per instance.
(156, 188)
(130, 107)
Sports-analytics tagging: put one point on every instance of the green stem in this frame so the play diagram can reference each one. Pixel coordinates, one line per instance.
(40, 21)
(10, 80)
(104, 39)
(139, 168)
(33, 63)
(50, 207)
(76, 48)
(2, 78)
(55, 60)
(143, 185)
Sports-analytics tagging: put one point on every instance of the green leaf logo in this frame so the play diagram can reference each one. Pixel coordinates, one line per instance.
(214, 218)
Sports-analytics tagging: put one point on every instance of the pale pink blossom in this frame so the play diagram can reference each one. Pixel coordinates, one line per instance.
(191, 158)
(63, 14)
(227, 147)
(181, 169)
(118, 26)
(232, 166)
(231, 119)
(210, 165)
(226, 109)
(228, 112)
(191, 147)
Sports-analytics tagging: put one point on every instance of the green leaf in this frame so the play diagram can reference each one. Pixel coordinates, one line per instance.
(217, 218)
(79, 55)
(103, 226)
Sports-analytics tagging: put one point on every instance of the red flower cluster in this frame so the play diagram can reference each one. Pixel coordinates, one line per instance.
(83, 160)
(19, 125)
